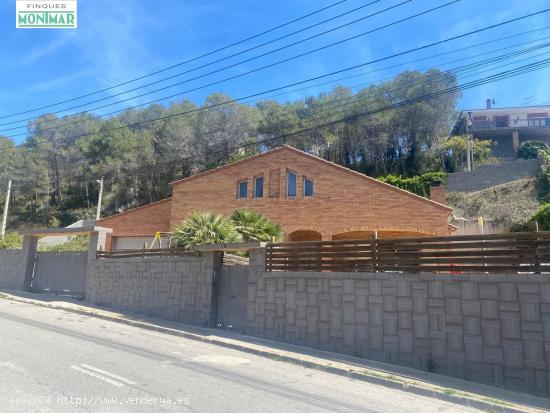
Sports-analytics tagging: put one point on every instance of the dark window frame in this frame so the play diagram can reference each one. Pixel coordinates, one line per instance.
(306, 179)
(288, 173)
(241, 182)
(255, 188)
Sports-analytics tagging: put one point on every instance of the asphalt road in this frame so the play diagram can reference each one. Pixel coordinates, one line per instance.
(52, 360)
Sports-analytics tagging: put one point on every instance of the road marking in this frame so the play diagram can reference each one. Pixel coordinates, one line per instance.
(98, 376)
(219, 359)
(106, 373)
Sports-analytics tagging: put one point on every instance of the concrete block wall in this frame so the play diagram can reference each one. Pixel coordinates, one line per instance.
(12, 269)
(492, 329)
(173, 288)
(487, 176)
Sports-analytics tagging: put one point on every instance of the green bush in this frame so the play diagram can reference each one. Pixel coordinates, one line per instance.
(253, 226)
(11, 241)
(205, 228)
(543, 217)
(209, 228)
(419, 184)
(531, 149)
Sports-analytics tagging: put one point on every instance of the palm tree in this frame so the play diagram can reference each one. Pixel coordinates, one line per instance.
(253, 226)
(205, 228)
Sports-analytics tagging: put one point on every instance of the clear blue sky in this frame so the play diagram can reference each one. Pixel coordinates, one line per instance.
(121, 39)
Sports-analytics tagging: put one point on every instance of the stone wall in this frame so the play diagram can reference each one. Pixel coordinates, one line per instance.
(173, 288)
(493, 329)
(487, 176)
(12, 269)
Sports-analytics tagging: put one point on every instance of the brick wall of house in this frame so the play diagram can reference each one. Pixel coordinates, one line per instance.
(343, 200)
(345, 203)
(141, 221)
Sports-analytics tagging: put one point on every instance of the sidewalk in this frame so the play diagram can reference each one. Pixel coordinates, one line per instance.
(459, 391)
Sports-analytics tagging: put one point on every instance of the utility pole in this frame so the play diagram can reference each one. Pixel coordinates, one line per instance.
(5, 214)
(98, 212)
(469, 157)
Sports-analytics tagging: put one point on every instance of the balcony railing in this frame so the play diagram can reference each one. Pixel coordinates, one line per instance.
(513, 123)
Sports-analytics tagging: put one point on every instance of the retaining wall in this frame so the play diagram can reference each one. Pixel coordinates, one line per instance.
(487, 176)
(173, 288)
(492, 329)
(12, 269)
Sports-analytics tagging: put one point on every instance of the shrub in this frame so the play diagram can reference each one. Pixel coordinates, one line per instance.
(419, 184)
(253, 226)
(543, 217)
(11, 241)
(531, 149)
(205, 228)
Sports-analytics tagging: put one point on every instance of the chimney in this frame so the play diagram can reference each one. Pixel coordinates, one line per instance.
(489, 103)
(438, 193)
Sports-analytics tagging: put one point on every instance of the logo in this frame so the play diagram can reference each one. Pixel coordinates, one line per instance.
(44, 14)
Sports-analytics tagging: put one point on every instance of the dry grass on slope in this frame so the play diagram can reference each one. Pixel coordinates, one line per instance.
(510, 204)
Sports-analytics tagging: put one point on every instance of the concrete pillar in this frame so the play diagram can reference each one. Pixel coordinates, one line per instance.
(30, 244)
(515, 142)
(257, 257)
(97, 242)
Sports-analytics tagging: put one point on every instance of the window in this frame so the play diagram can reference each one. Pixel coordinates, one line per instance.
(259, 187)
(291, 184)
(537, 119)
(308, 187)
(242, 189)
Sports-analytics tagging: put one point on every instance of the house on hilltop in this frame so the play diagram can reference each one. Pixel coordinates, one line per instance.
(313, 199)
(508, 127)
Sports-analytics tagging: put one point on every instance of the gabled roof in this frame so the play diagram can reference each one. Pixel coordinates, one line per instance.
(316, 159)
(136, 209)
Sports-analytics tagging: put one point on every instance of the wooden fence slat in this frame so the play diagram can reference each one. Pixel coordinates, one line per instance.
(513, 252)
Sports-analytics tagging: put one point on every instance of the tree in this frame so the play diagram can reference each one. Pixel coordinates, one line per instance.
(205, 228)
(55, 172)
(253, 226)
(455, 150)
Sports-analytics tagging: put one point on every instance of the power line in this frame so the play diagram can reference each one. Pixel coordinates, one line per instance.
(294, 84)
(459, 88)
(433, 77)
(490, 79)
(184, 62)
(332, 73)
(238, 64)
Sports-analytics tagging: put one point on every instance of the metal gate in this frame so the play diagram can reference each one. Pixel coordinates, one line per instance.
(60, 272)
(232, 297)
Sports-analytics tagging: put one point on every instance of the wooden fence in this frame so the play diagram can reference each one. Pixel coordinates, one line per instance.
(525, 252)
(162, 252)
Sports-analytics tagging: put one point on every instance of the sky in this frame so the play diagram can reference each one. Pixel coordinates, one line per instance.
(120, 40)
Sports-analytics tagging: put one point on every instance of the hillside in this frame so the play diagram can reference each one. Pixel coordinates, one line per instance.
(509, 204)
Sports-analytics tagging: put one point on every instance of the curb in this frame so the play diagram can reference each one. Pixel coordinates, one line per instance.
(367, 375)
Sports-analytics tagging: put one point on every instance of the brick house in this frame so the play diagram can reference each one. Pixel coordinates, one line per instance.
(310, 197)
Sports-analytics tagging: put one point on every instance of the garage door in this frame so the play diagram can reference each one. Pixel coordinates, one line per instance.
(136, 243)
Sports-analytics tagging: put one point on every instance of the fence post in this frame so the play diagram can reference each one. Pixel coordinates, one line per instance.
(533, 226)
(29, 248)
(374, 251)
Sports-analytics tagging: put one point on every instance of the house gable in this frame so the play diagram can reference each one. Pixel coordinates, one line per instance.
(343, 201)
(334, 168)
